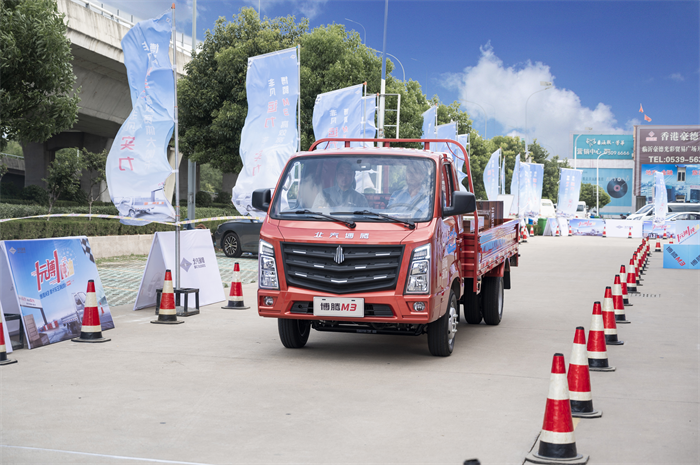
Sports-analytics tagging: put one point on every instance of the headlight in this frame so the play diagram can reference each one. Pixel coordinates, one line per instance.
(267, 268)
(418, 281)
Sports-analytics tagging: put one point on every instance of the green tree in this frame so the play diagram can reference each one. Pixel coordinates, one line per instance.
(13, 148)
(37, 99)
(588, 195)
(212, 97)
(94, 165)
(63, 175)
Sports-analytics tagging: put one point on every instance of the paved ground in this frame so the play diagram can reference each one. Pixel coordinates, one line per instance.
(121, 276)
(222, 389)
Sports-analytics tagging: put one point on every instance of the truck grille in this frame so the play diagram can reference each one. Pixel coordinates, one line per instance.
(341, 269)
(376, 310)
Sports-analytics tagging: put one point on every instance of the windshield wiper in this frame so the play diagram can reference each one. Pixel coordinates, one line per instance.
(406, 223)
(349, 224)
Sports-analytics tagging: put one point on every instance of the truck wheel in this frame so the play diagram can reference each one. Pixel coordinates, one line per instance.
(231, 245)
(441, 332)
(471, 303)
(293, 333)
(492, 300)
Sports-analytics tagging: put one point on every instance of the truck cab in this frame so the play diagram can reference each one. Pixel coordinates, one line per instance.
(365, 240)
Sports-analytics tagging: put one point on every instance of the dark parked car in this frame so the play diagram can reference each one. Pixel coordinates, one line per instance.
(238, 236)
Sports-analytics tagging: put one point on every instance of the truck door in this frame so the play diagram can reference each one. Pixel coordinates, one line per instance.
(447, 240)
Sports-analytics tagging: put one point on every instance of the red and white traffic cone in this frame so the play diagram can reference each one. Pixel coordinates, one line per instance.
(235, 298)
(618, 304)
(557, 233)
(631, 278)
(658, 246)
(3, 351)
(167, 314)
(571, 233)
(532, 230)
(637, 268)
(609, 320)
(623, 278)
(91, 330)
(523, 234)
(604, 235)
(670, 241)
(557, 441)
(597, 350)
(665, 236)
(580, 379)
(629, 233)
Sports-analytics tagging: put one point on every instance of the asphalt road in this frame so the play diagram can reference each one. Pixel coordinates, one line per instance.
(222, 389)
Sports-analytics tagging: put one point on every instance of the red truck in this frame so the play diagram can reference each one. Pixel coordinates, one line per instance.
(380, 240)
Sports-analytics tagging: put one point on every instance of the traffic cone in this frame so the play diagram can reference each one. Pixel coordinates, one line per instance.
(532, 230)
(629, 233)
(637, 269)
(665, 236)
(609, 320)
(670, 241)
(597, 350)
(618, 304)
(623, 278)
(580, 379)
(571, 233)
(604, 235)
(235, 298)
(557, 442)
(658, 246)
(91, 330)
(3, 351)
(631, 279)
(557, 232)
(167, 315)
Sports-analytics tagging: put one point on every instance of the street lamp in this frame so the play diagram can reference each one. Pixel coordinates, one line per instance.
(542, 83)
(402, 68)
(575, 140)
(486, 116)
(597, 207)
(365, 41)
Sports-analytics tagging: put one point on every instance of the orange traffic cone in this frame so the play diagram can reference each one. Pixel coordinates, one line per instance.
(623, 277)
(91, 330)
(3, 351)
(167, 314)
(618, 304)
(597, 350)
(609, 320)
(557, 442)
(580, 379)
(235, 298)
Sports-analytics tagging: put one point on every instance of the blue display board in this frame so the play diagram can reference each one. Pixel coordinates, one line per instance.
(683, 187)
(617, 182)
(50, 281)
(685, 254)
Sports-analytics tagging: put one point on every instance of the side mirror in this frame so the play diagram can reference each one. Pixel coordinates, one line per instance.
(261, 199)
(462, 202)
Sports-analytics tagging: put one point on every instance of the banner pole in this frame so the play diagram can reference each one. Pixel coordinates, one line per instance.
(298, 99)
(177, 161)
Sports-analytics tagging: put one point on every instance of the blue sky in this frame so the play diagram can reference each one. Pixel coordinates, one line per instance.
(605, 58)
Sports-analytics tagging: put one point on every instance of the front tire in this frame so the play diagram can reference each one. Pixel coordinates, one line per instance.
(231, 245)
(441, 332)
(293, 333)
(492, 300)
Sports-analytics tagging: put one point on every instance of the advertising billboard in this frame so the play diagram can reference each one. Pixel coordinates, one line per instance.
(682, 182)
(611, 146)
(617, 182)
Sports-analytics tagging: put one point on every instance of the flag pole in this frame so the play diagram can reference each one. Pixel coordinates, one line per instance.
(177, 161)
(298, 98)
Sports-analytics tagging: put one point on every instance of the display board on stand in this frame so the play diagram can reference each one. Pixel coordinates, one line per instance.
(622, 228)
(198, 267)
(45, 282)
(587, 227)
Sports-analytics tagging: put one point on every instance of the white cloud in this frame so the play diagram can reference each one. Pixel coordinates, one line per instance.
(677, 77)
(551, 114)
(307, 8)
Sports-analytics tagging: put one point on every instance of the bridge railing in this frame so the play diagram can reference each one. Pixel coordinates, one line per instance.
(184, 43)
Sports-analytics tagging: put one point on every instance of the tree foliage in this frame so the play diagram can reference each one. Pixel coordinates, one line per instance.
(94, 164)
(212, 97)
(37, 99)
(588, 195)
(63, 175)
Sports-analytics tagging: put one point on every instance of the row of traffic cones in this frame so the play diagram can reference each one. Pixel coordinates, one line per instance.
(91, 329)
(570, 394)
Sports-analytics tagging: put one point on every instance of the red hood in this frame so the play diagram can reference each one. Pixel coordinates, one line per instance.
(320, 232)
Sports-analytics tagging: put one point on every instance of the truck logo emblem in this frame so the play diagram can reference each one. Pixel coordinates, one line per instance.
(339, 257)
(319, 234)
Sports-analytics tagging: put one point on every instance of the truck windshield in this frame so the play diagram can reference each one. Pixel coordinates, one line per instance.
(397, 186)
